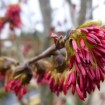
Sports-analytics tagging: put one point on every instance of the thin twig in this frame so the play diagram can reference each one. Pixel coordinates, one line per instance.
(48, 52)
(44, 54)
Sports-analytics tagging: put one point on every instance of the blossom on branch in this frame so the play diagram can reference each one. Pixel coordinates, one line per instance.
(81, 69)
(85, 59)
(59, 72)
(16, 86)
(42, 69)
(19, 82)
(86, 56)
(13, 16)
(53, 74)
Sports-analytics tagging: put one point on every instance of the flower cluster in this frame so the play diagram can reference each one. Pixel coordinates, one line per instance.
(58, 74)
(16, 86)
(86, 56)
(41, 69)
(81, 69)
(54, 75)
(19, 81)
(13, 16)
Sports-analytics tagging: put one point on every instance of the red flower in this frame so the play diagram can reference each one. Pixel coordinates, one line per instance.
(86, 59)
(17, 87)
(13, 16)
(54, 76)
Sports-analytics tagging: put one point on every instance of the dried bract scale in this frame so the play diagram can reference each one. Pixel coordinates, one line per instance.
(86, 58)
(6, 64)
(42, 71)
(58, 40)
(2, 22)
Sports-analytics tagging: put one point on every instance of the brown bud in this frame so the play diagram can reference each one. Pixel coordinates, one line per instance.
(43, 65)
(59, 63)
(23, 73)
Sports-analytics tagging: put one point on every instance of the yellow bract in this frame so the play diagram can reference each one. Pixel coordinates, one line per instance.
(91, 22)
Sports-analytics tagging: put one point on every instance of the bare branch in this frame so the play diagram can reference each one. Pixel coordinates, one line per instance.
(48, 52)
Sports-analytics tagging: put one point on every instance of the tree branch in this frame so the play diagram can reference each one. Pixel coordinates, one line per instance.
(48, 52)
(44, 54)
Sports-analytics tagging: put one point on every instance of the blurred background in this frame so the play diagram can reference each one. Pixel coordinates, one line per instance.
(40, 18)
